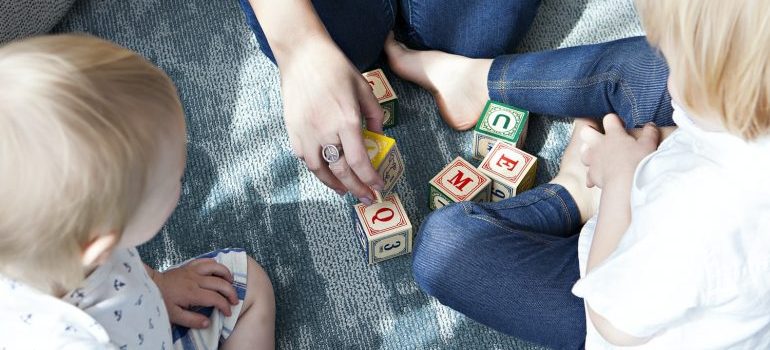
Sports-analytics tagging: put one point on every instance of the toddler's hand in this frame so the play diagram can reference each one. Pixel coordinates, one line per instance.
(202, 282)
(615, 154)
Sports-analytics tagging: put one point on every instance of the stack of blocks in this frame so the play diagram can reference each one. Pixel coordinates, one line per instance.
(505, 170)
(385, 96)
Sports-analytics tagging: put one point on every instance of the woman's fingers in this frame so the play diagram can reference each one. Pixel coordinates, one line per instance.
(320, 168)
(370, 108)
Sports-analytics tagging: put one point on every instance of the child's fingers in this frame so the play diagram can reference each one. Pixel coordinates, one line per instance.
(650, 136)
(612, 123)
(589, 182)
(584, 151)
(205, 297)
(212, 267)
(590, 136)
(186, 318)
(220, 286)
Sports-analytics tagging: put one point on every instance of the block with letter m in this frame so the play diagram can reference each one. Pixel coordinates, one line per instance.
(459, 181)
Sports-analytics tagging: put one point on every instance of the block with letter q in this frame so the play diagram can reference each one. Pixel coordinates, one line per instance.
(383, 229)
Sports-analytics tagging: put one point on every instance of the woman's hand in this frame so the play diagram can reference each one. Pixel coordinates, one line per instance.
(324, 99)
(324, 96)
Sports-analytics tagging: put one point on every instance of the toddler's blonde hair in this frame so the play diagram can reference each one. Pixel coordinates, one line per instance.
(719, 55)
(80, 119)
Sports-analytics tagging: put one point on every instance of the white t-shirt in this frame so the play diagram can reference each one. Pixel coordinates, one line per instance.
(118, 307)
(693, 269)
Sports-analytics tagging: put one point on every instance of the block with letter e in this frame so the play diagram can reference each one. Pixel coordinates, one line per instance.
(512, 170)
(385, 95)
(457, 182)
(384, 229)
(385, 157)
(502, 122)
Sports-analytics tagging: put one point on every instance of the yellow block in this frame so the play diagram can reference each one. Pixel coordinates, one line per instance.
(377, 147)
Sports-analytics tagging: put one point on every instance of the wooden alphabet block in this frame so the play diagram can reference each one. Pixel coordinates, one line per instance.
(459, 181)
(502, 122)
(512, 170)
(384, 229)
(385, 157)
(385, 95)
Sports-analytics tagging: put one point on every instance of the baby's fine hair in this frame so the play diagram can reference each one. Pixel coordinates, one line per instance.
(718, 54)
(80, 119)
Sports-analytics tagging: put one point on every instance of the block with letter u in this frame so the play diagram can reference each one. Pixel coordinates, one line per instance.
(501, 122)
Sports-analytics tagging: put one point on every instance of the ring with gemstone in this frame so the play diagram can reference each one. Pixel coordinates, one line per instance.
(331, 153)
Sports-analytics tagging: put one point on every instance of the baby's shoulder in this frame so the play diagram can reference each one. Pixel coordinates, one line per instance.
(34, 320)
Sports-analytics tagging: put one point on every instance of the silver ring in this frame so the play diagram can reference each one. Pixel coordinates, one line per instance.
(331, 153)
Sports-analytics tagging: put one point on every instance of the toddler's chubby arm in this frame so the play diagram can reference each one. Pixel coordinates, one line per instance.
(612, 159)
(201, 282)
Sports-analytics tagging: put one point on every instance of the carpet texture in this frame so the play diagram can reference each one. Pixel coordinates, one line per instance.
(242, 187)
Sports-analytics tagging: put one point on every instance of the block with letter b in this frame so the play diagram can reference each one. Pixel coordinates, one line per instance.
(385, 157)
(502, 122)
(385, 95)
(459, 181)
(512, 170)
(384, 229)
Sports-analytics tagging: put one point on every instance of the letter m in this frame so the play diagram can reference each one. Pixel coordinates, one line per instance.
(459, 182)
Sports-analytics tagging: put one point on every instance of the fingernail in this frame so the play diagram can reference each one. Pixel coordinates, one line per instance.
(341, 193)
(366, 200)
(205, 323)
(378, 187)
(378, 196)
(651, 124)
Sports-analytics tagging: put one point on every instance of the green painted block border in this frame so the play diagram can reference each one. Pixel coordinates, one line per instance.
(392, 107)
(517, 134)
(435, 192)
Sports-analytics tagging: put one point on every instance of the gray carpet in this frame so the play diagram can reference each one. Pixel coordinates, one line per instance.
(242, 187)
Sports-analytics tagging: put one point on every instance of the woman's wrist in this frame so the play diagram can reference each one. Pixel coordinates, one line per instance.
(290, 26)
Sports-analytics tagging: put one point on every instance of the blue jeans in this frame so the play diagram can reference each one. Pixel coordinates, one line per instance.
(624, 76)
(359, 27)
(509, 265)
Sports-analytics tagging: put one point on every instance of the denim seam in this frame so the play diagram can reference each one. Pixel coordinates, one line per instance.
(496, 223)
(544, 187)
(508, 229)
(388, 8)
(413, 32)
(564, 207)
(502, 84)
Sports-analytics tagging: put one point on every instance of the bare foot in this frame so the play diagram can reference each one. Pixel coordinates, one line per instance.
(459, 84)
(572, 173)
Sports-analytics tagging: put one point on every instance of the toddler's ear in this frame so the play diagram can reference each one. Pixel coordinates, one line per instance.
(98, 249)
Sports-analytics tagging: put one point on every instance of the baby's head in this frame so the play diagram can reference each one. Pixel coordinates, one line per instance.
(718, 52)
(92, 148)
